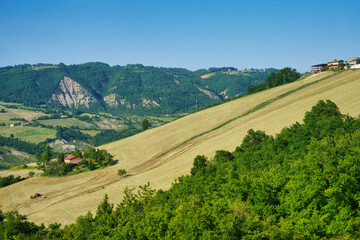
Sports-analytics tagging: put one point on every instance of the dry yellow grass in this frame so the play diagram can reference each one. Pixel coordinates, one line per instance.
(160, 155)
(18, 113)
(21, 173)
(207, 75)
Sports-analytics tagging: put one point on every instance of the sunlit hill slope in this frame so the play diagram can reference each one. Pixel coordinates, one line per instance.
(161, 154)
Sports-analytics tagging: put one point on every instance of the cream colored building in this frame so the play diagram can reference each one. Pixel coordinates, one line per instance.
(354, 61)
(336, 64)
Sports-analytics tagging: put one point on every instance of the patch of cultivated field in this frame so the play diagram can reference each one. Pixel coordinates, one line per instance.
(21, 172)
(90, 132)
(207, 75)
(29, 134)
(161, 154)
(67, 122)
(17, 113)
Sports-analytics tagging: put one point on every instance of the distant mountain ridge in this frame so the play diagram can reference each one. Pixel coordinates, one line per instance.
(135, 88)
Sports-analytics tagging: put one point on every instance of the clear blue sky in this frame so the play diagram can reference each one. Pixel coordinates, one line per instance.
(191, 34)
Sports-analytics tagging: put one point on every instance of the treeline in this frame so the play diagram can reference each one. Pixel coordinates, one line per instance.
(285, 75)
(221, 69)
(70, 134)
(105, 136)
(231, 85)
(304, 183)
(8, 180)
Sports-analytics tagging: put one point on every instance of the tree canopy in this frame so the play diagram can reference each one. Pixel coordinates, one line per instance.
(285, 75)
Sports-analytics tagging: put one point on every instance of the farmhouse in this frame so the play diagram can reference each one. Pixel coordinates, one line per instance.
(336, 64)
(318, 68)
(72, 159)
(354, 60)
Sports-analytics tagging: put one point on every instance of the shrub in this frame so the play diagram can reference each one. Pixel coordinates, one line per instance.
(31, 174)
(121, 172)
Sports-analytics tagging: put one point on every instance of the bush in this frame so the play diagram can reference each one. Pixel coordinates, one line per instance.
(145, 124)
(31, 174)
(121, 172)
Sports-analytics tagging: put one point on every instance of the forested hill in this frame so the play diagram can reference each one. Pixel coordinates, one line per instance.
(130, 88)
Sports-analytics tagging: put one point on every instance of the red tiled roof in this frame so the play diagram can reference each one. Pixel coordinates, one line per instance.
(71, 157)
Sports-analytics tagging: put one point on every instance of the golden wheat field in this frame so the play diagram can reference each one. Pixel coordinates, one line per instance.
(17, 113)
(161, 154)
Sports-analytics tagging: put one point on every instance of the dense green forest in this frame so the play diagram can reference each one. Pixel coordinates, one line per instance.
(285, 75)
(132, 88)
(304, 183)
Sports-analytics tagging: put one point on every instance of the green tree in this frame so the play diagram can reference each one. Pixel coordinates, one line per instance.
(43, 159)
(91, 166)
(200, 162)
(121, 172)
(285, 75)
(323, 119)
(31, 174)
(222, 156)
(145, 124)
(105, 208)
(60, 158)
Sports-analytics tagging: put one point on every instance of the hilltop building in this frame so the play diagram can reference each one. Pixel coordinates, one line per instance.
(318, 68)
(336, 64)
(354, 62)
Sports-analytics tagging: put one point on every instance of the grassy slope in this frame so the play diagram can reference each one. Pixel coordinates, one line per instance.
(10, 157)
(17, 113)
(159, 155)
(19, 171)
(29, 134)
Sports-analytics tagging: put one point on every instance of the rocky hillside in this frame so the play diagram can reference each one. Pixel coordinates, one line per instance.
(71, 94)
(131, 88)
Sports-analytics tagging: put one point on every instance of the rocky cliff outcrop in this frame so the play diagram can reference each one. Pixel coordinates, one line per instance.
(209, 94)
(114, 101)
(72, 94)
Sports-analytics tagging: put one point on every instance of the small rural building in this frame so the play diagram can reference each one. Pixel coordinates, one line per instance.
(354, 61)
(318, 68)
(336, 64)
(25, 123)
(72, 159)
